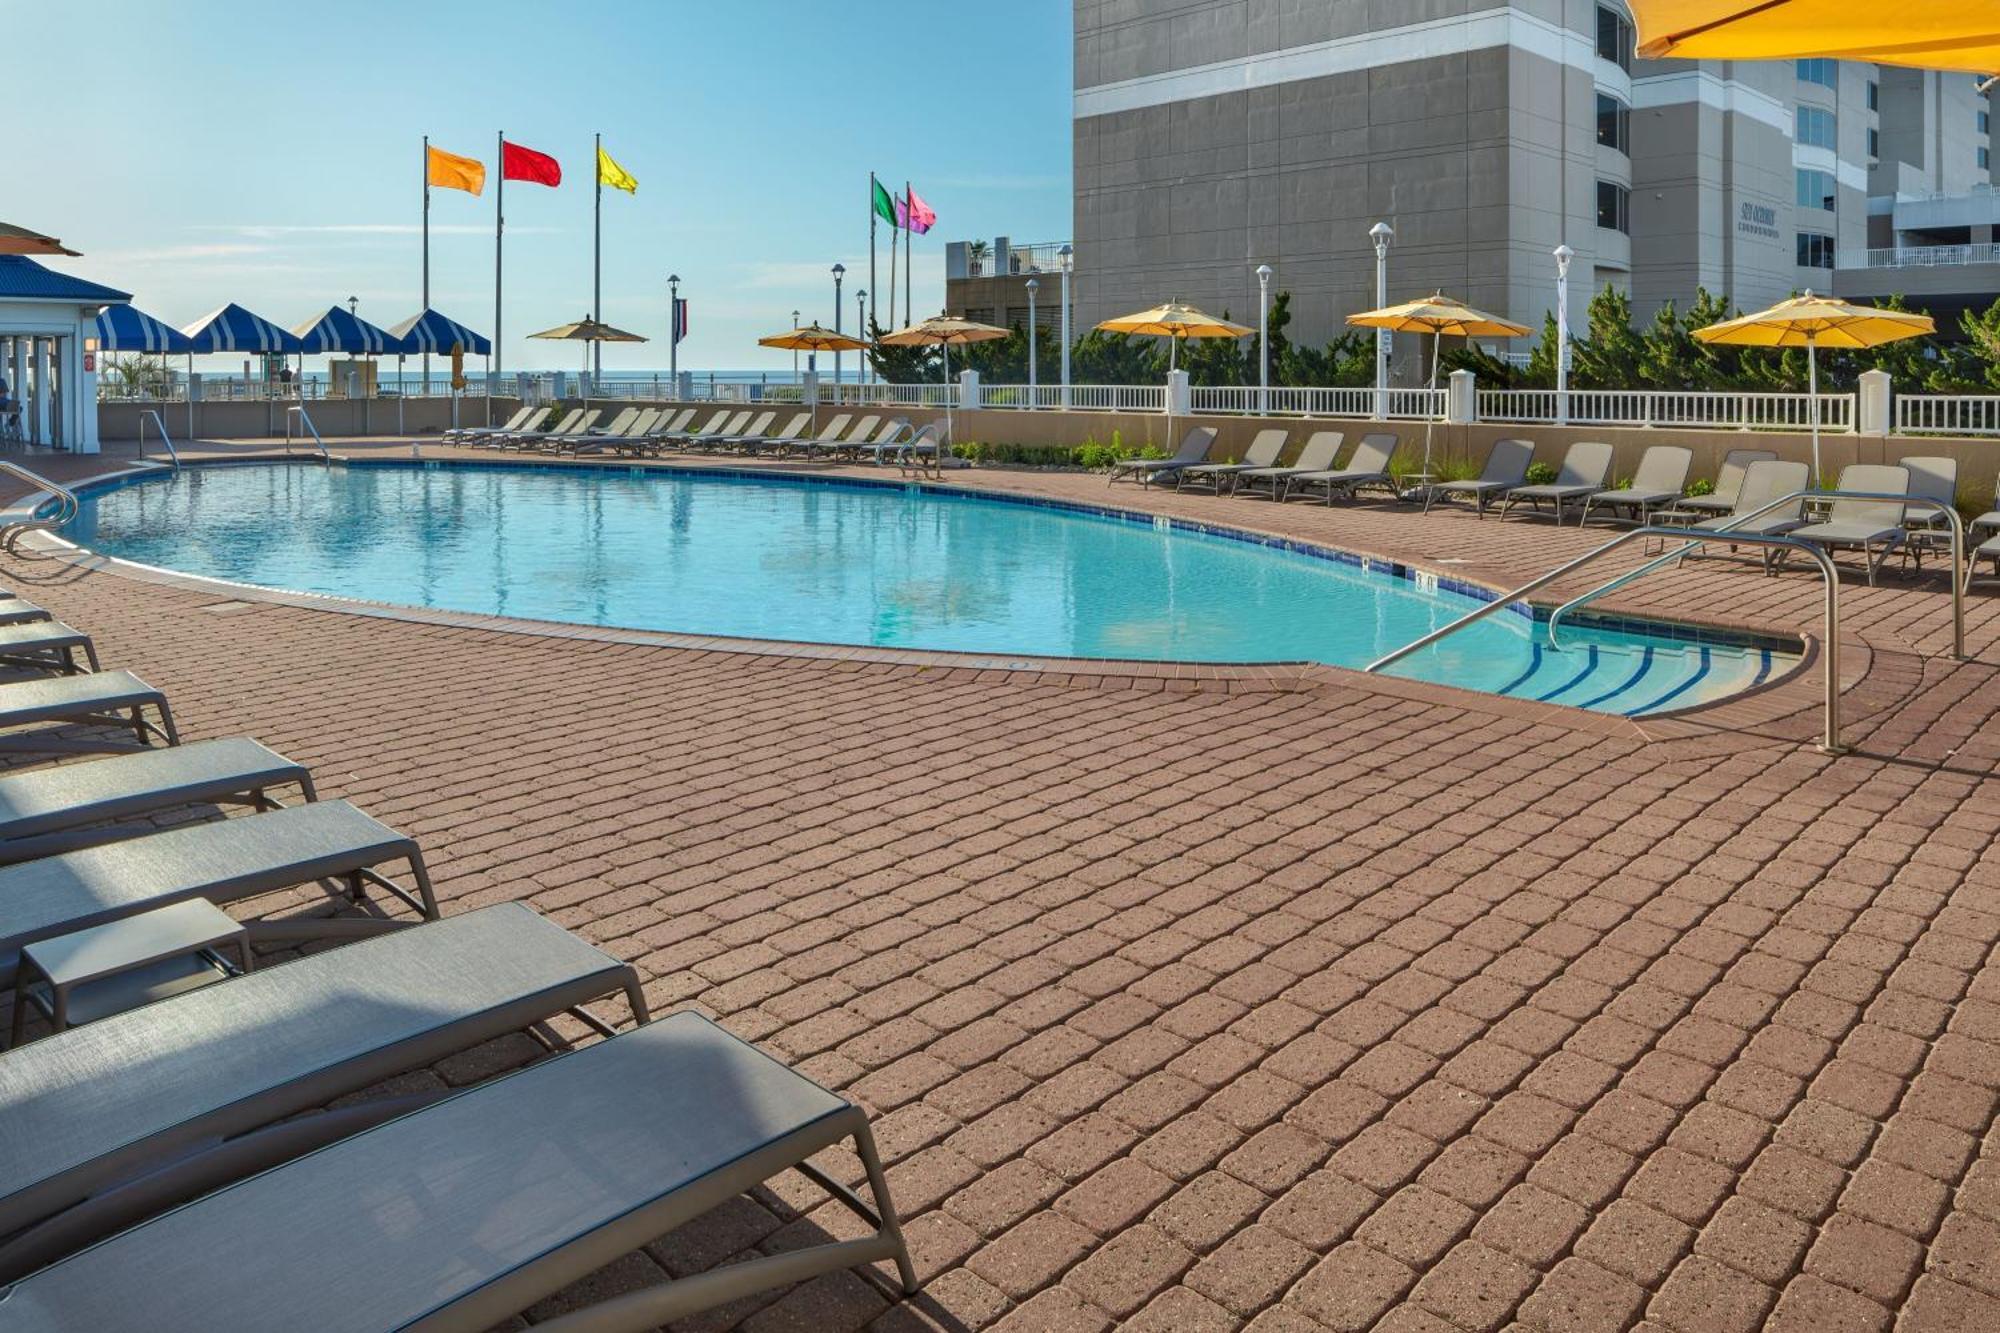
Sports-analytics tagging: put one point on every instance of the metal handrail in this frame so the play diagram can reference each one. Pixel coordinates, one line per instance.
(165, 438)
(65, 510)
(306, 420)
(1829, 741)
(1957, 555)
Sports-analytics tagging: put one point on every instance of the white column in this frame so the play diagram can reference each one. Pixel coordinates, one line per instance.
(1872, 412)
(968, 391)
(1178, 398)
(82, 430)
(44, 408)
(1461, 399)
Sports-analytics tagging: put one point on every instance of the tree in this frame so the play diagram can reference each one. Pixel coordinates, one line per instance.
(976, 251)
(1117, 358)
(1610, 357)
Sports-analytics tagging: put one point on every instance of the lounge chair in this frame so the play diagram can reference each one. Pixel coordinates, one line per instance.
(112, 1121)
(15, 611)
(100, 698)
(791, 433)
(1728, 480)
(49, 810)
(1318, 455)
(894, 436)
(1662, 475)
(732, 425)
(507, 439)
(1146, 471)
(466, 1212)
(1585, 466)
(1762, 483)
(223, 861)
(580, 429)
(1874, 527)
(684, 432)
(1506, 467)
(754, 431)
(46, 645)
(1264, 451)
(1927, 529)
(831, 446)
(926, 443)
(525, 419)
(1368, 467)
(832, 430)
(640, 425)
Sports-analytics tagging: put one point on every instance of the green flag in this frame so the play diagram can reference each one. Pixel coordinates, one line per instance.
(884, 207)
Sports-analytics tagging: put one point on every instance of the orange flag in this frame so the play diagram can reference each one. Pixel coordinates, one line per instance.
(452, 172)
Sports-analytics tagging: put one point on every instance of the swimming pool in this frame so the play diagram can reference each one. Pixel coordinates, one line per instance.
(827, 560)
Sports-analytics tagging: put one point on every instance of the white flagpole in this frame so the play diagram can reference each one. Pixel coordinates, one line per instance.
(597, 256)
(427, 262)
(499, 225)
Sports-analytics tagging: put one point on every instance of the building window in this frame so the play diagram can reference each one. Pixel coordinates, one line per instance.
(1815, 127)
(1822, 72)
(1815, 250)
(1614, 123)
(1614, 37)
(1614, 207)
(1874, 95)
(1874, 142)
(1985, 159)
(1985, 121)
(1815, 189)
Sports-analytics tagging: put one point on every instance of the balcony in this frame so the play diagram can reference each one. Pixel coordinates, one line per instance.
(1921, 256)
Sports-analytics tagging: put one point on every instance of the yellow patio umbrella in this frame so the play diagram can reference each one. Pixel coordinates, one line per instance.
(21, 241)
(1813, 322)
(946, 331)
(1177, 321)
(1438, 315)
(588, 331)
(813, 338)
(1959, 34)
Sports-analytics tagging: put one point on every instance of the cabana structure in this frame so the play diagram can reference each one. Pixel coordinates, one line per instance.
(48, 349)
(123, 328)
(430, 332)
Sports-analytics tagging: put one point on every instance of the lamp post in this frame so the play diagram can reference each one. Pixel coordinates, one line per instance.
(861, 331)
(354, 305)
(673, 331)
(795, 351)
(1033, 286)
(1263, 338)
(1563, 255)
(839, 271)
(1067, 255)
(1381, 233)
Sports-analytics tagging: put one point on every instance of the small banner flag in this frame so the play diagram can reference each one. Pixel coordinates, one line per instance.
(902, 212)
(680, 319)
(449, 171)
(525, 164)
(610, 173)
(885, 207)
(922, 216)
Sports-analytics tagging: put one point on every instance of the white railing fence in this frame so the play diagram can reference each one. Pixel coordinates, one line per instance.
(1947, 414)
(1709, 411)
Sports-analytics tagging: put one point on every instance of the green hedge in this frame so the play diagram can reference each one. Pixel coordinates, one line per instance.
(1090, 454)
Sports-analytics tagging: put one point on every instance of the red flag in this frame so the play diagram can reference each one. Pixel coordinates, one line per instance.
(525, 164)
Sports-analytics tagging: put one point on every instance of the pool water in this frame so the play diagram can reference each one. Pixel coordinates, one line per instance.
(813, 559)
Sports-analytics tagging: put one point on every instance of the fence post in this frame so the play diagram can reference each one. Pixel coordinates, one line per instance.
(1178, 397)
(1871, 410)
(1461, 399)
(968, 391)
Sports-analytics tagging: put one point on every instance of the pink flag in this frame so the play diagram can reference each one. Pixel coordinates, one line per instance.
(922, 216)
(902, 212)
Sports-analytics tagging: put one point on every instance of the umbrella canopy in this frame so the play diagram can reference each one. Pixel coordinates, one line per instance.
(813, 338)
(341, 330)
(1439, 314)
(946, 331)
(121, 328)
(1818, 321)
(431, 331)
(589, 330)
(1175, 320)
(234, 329)
(21, 241)
(1960, 35)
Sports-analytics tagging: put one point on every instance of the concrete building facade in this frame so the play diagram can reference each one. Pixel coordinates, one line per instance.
(1215, 135)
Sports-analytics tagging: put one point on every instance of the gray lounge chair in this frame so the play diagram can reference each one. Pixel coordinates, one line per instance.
(15, 611)
(707, 438)
(830, 446)
(754, 431)
(649, 441)
(46, 645)
(1194, 447)
(113, 1121)
(1585, 466)
(1368, 467)
(1266, 447)
(925, 444)
(638, 426)
(1764, 482)
(1925, 528)
(542, 441)
(895, 436)
(224, 861)
(791, 433)
(1321, 449)
(1662, 475)
(679, 436)
(101, 698)
(1506, 467)
(526, 419)
(1728, 480)
(508, 439)
(458, 1216)
(1874, 527)
(49, 810)
(832, 430)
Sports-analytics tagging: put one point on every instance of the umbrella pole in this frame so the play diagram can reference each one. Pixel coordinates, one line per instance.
(190, 397)
(402, 391)
(1812, 402)
(945, 443)
(1430, 419)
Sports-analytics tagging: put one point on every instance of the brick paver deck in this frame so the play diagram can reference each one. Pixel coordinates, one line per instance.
(1283, 1004)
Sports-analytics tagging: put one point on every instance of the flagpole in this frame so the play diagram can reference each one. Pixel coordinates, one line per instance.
(872, 288)
(909, 248)
(597, 258)
(427, 256)
(499, 225)
(893, 229)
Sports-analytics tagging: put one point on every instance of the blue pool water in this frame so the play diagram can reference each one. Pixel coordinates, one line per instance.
(770, 557)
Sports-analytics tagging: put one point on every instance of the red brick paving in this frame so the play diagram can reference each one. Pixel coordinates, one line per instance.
(1314, 1005)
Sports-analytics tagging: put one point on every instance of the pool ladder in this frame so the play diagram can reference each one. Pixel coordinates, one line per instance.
(11, 533)
(306, 421)
(1689, 540)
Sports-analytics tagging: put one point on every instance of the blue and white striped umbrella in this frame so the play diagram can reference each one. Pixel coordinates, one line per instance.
(234, 329)
(121, 328)
(432, 332)
(341, 330)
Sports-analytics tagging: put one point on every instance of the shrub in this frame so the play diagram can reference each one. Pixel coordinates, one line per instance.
(1541, 474)
(1701, 486)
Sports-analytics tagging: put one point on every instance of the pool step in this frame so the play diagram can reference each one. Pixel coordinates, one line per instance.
(1635, 681)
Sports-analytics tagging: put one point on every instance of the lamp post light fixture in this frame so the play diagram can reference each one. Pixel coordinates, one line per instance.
(673, 327)
(1033, 286)
(1067, 255)
(1381, 234)
(1263, 339)
(839, 272)
(1563, 255)
(354, 305)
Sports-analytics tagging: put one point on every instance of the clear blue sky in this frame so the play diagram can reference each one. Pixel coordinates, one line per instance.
(269, 154)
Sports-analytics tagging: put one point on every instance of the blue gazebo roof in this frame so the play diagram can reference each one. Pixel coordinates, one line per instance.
(121, 328)
(433, 332)
(234, 329)
(341, 330)
(21, 278)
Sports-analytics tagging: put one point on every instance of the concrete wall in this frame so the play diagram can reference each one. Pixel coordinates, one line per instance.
(335, 417)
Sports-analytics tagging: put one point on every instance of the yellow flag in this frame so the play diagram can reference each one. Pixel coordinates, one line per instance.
(610, 173)
(453, 172)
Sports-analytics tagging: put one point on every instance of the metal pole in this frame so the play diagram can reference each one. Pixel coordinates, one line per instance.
(1066, 255)
(1032, 284)
(1563, 255)
(674, 330)
(839, 271)
(1263, 339)
(795, 351)
(860, 329)
(1382, 233)
(1812, 403)
(597, 256)
(427, 247)
(499, 225)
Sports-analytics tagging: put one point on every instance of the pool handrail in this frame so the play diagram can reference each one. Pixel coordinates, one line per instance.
(305, 418)
(66, 507)
(1830, 737)
(165, 438)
